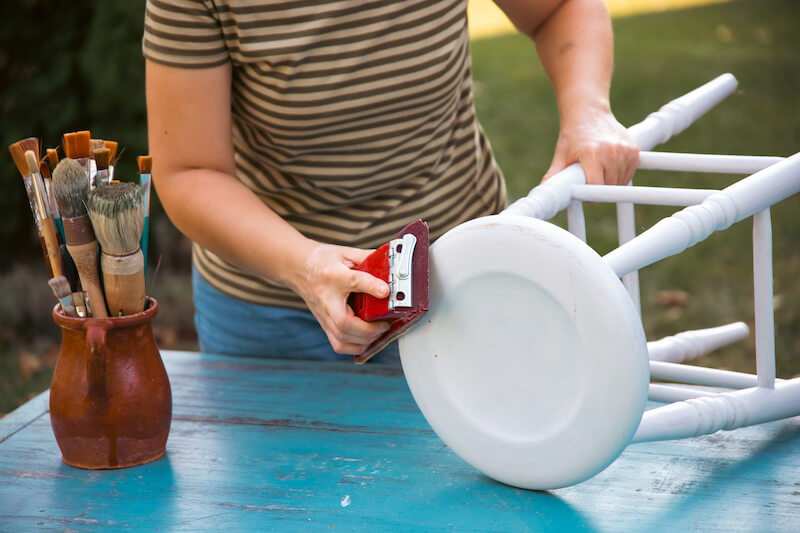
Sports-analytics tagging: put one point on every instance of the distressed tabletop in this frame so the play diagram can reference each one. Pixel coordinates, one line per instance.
(269, 445)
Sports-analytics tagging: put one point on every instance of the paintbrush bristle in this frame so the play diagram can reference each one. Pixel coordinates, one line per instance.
(117, 214)
(18, 155)
(145, 164)
(32, 161)
(60, 286)
(52, 158)
(78, 145)
(70, 187)
(18, 150)
(102, 157)
(96, 144)
(32, 144)
(112, 149)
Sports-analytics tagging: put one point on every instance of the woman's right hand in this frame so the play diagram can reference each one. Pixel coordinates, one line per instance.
(325, 283)
(189, 130)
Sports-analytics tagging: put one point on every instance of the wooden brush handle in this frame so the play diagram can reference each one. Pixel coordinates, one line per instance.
(46, 256)
(85, 258)
(123, 276)
(82, 246)
(50, 236)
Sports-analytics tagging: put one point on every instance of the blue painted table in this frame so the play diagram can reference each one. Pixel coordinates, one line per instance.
(268, 445)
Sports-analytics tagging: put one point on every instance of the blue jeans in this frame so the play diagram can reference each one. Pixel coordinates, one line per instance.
(226, 325)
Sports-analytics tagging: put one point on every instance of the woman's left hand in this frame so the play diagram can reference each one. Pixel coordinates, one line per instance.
(603, 147)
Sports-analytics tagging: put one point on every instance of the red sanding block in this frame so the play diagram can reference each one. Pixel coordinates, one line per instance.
(403, 264)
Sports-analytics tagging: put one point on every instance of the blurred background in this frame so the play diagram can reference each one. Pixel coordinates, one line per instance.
(75, 65)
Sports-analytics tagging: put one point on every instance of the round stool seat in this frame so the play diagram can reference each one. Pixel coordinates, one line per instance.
(531, 364)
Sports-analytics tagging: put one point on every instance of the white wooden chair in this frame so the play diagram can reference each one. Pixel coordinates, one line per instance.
(532, 364)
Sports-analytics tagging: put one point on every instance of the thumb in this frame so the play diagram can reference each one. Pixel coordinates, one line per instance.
(369, 284)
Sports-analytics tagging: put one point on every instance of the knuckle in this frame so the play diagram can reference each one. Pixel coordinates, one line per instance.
(338, 346)
(607, 150)
(591, 149)
(327, 272)
(354, 278)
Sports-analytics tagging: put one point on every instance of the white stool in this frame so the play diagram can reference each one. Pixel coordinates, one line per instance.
(532, 363)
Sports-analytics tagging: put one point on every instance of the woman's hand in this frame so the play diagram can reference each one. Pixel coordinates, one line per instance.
(194, 173)
(325, 283)
(574, 41)
(603, 147)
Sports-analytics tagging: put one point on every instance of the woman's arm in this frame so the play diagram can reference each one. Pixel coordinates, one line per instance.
(189, 127)
(575, 45)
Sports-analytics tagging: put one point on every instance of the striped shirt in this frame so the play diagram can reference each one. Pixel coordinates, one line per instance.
(351, 118)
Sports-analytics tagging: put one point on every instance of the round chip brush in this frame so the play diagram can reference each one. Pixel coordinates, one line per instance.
(71, 186)
(117, 214)
(63, 292)
(102, 158)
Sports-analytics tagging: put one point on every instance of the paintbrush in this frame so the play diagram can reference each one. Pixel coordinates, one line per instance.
(49, 232)
(117, 214)
(17, 151)
(94, 178)
(71, 188)
(25, 155)
(112, 148)
(52, 158)
(78, 146)
(79, 301)
(112, 154)
(49, 199)
(145, 163)
(52, 161)
(62, 290)
(44, 172)
(68, 266)
(87, 303)
(102, 157)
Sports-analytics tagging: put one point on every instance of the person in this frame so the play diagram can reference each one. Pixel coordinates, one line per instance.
(291, 138)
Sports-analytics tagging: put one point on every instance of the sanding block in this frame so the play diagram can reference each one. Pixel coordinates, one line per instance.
(403, 264)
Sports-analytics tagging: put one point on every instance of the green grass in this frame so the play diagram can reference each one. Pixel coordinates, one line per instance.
(18, 386)
(657, 58)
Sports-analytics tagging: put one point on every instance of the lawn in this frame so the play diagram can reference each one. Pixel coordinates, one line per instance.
(660, 56)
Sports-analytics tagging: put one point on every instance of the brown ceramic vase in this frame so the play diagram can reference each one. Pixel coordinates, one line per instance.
(110, 399)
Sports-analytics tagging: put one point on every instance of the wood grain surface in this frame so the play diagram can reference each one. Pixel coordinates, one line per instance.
(268, 445)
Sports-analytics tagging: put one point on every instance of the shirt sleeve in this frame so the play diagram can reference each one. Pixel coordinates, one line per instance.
(183, 33)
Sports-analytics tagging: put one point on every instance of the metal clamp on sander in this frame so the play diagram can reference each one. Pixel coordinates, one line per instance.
(403, 264)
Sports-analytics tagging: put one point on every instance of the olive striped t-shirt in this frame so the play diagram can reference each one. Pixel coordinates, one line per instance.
(351, 118)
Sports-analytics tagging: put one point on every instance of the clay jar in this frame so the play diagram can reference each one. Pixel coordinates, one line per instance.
(110, 399)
